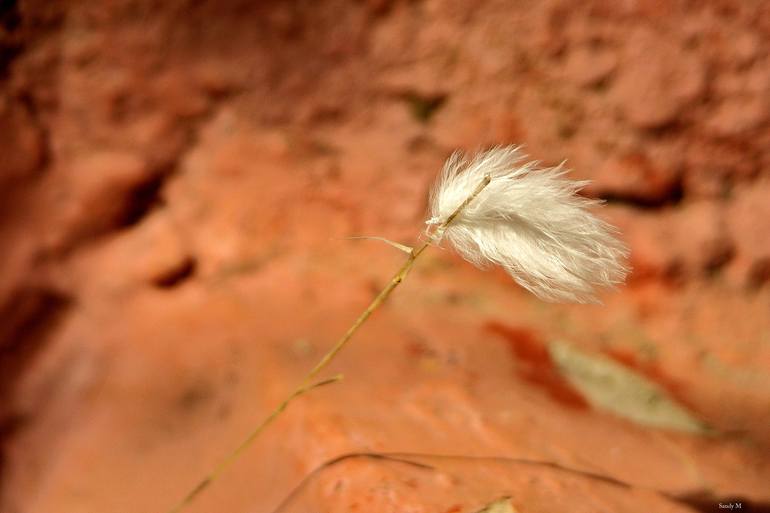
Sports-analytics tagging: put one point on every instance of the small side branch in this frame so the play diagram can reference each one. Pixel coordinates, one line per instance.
(401, 247)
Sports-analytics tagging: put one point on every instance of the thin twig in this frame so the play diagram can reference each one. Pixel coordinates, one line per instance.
(306, 385)
(693, 498)
(230, 459)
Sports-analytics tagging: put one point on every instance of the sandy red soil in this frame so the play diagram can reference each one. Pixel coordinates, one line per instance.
(177, 184)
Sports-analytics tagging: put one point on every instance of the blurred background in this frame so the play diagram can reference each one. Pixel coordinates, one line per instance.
(177, 182)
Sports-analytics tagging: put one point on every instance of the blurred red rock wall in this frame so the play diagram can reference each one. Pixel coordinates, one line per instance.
(177, 180)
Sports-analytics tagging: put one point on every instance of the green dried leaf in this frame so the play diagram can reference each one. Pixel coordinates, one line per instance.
(615, 388)
(502, 505)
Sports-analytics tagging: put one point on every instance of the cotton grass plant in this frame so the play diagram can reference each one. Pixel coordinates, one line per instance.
(531, 222)
(496, 209)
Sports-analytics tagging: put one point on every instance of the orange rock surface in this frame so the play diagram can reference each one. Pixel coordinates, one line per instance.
(178, 181)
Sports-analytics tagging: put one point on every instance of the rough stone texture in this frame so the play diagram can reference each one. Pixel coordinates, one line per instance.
(690, 243)
(21, 153)
(178, 181)
(98, 193)
(746, 218)
(661, 87)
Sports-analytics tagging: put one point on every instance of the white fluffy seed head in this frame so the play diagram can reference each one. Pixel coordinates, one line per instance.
(531, 222)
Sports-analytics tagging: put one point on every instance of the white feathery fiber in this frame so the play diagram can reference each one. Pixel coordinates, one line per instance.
(531, 222)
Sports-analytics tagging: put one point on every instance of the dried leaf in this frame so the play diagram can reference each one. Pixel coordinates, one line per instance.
(502, 505)
(613, 387)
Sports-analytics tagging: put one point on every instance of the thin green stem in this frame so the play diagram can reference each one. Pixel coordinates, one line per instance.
(306, 385)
